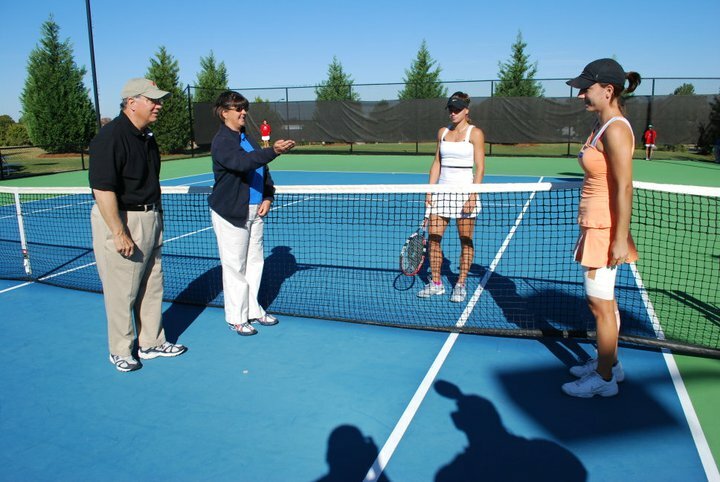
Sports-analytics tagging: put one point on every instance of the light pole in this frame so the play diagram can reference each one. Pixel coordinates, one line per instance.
(92, 63)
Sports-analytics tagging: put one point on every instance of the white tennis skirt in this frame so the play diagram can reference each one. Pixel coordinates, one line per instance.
(451, 205)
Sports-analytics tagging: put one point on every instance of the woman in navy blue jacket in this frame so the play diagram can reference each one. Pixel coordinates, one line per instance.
(241, 197)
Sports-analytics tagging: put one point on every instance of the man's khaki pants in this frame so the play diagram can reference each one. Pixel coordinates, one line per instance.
(131, 286)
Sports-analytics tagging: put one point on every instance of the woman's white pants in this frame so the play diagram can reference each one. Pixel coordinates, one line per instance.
(242, 258)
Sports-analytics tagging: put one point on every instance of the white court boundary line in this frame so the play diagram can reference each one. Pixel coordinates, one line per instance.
(701, 444)
(403, 423)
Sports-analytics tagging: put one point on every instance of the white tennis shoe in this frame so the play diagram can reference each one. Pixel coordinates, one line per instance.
(590, 385)
(431, 289)
(459, 293)
(580, 371)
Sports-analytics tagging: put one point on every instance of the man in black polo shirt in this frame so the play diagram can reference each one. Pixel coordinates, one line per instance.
(127, 227)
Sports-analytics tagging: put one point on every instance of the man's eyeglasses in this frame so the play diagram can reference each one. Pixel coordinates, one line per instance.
(154, 101)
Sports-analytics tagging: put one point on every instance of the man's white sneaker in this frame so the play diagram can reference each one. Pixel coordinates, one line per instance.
(431, 289)
(580, 371)
(590, 385)
(125, 363)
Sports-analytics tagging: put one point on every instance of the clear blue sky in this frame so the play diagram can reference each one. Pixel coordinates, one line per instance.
(287, 43)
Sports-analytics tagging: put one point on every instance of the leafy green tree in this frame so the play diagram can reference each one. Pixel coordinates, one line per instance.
(338, 85)
(57, 110)
(517, 74)
(172, 129)
(685, 89)
(5, 122)
(421, 80)
(16, 135)
(211, 81)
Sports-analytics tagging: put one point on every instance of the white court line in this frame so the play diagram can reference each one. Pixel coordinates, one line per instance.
(703, 448)
(403, 423)
(22, 285)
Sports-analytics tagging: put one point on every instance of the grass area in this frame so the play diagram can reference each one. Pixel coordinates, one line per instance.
(682, 153)
(31, 161)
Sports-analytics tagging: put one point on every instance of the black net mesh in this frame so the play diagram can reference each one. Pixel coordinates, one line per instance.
(333, 252)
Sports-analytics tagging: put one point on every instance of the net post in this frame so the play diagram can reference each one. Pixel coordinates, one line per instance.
(23, 239)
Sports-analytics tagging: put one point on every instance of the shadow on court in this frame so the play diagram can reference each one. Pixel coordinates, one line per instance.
(279, 266)
(538, 393)
(545, 313)
(191, 302)
(493, 453)
(349, 455)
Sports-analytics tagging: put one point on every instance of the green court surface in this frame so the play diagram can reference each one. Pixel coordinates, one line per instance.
(700, 375)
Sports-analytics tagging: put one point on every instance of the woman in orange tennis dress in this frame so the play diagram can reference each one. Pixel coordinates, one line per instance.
(604, 218)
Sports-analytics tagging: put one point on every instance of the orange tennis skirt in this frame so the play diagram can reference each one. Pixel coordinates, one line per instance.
(592, 249)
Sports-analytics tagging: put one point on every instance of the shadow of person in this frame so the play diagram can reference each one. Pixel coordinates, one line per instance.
(350, 455)
(279, 266)
(191, 302)
(532, 313)
(494, 454)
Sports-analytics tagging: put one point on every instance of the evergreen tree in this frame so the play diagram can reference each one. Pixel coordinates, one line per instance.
(338, 85)
(421, 81)
(685, 89)
(57, 110)
(517, 74)
(172, 129)
(211, 81)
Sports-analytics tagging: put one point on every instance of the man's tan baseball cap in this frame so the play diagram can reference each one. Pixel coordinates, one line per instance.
(145, 87)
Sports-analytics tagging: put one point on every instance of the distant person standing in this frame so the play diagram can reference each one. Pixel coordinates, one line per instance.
(127, 227)
(265, 131)
(649, 136)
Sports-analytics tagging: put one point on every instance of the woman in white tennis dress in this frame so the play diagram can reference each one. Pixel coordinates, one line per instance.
(459, 159)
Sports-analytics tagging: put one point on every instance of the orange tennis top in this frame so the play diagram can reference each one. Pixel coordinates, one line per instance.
(595, 213)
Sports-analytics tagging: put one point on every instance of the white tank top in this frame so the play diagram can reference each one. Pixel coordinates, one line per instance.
(456, 160)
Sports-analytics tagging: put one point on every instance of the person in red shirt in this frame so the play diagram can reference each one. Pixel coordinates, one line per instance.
(265, 131)
(649, 136)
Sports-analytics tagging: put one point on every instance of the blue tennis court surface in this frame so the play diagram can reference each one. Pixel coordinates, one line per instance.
(312, 399)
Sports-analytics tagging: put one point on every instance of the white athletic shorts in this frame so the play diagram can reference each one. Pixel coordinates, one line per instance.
(603, 286)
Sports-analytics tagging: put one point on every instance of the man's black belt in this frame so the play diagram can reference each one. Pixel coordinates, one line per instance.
(140, 207)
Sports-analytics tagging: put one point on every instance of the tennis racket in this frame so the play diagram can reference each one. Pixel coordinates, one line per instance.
(412, 255)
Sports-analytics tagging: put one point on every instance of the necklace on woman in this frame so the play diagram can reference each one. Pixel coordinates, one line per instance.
(459, 132)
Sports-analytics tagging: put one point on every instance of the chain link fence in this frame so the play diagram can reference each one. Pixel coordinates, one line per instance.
(380, 118)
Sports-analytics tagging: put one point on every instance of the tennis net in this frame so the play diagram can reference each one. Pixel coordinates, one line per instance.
(333, 252)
